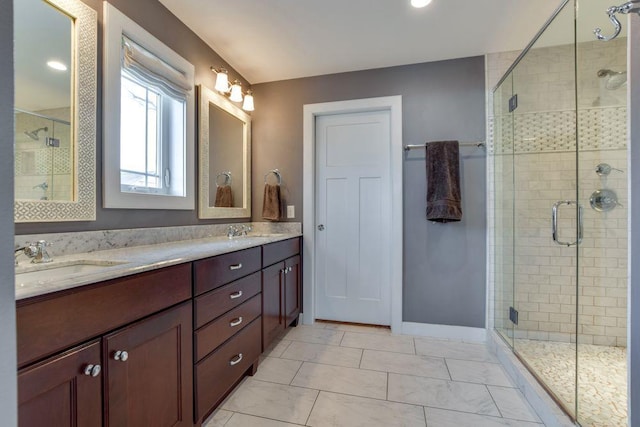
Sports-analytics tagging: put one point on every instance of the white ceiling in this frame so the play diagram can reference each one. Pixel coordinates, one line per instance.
(269, 40)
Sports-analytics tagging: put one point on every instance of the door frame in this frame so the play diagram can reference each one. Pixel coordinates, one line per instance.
(393, 104)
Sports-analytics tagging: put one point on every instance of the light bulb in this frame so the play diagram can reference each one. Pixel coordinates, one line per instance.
(236, 92)
(248, 101)
(420, 3)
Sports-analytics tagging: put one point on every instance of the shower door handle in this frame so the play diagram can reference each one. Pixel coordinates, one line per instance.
(554, 222)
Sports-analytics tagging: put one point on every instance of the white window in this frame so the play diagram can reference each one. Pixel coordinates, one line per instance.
(148, 120)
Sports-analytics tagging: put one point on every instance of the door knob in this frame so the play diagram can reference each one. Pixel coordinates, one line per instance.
(321, 227)
(122, 356)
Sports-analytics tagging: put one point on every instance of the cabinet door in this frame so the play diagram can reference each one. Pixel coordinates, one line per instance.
(58, 393)
(149, 378)
(292, 290)
(272, 319)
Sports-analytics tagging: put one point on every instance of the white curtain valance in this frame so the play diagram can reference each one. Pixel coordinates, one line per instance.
(150, 69)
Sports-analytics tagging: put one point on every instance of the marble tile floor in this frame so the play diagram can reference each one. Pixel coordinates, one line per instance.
(333, 375)
(602, 378)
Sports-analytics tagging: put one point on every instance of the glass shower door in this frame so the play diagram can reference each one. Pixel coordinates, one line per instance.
(546, 209)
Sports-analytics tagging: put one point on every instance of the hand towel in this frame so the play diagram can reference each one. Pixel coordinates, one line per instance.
(271, 202)
(443, 181)
(224, 197)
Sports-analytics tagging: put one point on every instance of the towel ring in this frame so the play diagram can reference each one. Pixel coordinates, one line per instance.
(227, 178)
(276, 172)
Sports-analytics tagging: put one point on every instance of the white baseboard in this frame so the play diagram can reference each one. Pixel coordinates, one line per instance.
(463, 333)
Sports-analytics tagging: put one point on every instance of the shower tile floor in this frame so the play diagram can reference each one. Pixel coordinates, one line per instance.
(602, 380)
(334, 375)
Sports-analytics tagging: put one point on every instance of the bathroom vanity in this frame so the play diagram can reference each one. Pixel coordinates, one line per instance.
(159, 347)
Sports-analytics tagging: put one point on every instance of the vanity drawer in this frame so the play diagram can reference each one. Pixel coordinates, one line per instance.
(54, 322)
(215, 333)
(218, 302)
(215, 375)
(214, 272)
(274, 252)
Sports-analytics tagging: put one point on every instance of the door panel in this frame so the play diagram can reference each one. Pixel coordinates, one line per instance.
(57, 393)
(353, 206)
(153, 385)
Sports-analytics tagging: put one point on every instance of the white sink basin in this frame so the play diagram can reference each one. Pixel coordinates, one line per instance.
(35, 273)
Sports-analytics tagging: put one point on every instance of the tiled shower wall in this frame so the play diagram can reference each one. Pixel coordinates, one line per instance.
(544, 138)
(35, 163)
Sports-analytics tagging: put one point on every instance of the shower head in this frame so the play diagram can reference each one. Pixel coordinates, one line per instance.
(34, 133)
(614, 79)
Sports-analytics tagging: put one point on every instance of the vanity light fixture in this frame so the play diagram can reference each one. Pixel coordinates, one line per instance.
(233, 90)
(247, 105)
(56, 65)
(236, 92)
(420, 3)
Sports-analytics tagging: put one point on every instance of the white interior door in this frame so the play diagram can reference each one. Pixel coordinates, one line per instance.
(353, 217)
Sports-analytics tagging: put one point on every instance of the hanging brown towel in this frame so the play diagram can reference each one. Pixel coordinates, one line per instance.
(224, 197)
(443, 181)
(271, 202)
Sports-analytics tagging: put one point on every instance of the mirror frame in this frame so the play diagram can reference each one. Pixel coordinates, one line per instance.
(205, 210)
(83, 131)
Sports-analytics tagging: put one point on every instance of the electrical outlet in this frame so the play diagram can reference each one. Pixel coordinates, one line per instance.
(291, 211)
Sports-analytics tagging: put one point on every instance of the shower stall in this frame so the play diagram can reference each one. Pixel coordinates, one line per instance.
(43, 160)
(559, 183)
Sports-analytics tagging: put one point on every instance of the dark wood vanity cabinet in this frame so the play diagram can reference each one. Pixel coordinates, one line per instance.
(138, 374)
(156, 348)
(281, 288)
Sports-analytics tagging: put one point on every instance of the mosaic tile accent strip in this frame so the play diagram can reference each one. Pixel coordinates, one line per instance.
(554, 131)
(602, 378)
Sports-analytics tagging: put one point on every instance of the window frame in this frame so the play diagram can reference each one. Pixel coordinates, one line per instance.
(116, 24)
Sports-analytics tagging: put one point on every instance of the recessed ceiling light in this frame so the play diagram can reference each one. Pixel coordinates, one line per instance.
(420, 3)
(57, 65)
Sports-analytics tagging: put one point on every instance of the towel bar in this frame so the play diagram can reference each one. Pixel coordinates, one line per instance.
(463, 144)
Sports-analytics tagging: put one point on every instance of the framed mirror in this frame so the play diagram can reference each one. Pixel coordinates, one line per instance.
(55, 110)
(224, 148)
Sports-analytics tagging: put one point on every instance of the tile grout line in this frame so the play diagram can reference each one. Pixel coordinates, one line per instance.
(494, 402)
(312, 406)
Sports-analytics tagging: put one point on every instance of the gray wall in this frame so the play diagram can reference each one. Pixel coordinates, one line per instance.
(156, 19)
(444, 264)
(8, 361)
(634, 220)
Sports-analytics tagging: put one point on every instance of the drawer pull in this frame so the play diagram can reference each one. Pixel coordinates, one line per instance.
(235, 266)
(235, 322)
(235, 295)
(237, 359)
(92, 370)
(122, 356)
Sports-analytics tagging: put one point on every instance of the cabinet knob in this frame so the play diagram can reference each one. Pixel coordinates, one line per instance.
(92, 370)
(321, 227)
(234, 361)
(235, 295)
(289, 269)
(235, 322)
(121, 355)
(235, 266)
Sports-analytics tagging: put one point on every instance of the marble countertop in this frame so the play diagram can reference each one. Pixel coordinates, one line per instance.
(114, 263)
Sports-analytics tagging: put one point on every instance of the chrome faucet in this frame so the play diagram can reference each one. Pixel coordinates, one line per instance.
(234, 231)
(36, 251)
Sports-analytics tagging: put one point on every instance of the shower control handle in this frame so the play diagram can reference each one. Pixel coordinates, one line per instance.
(554, 222)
